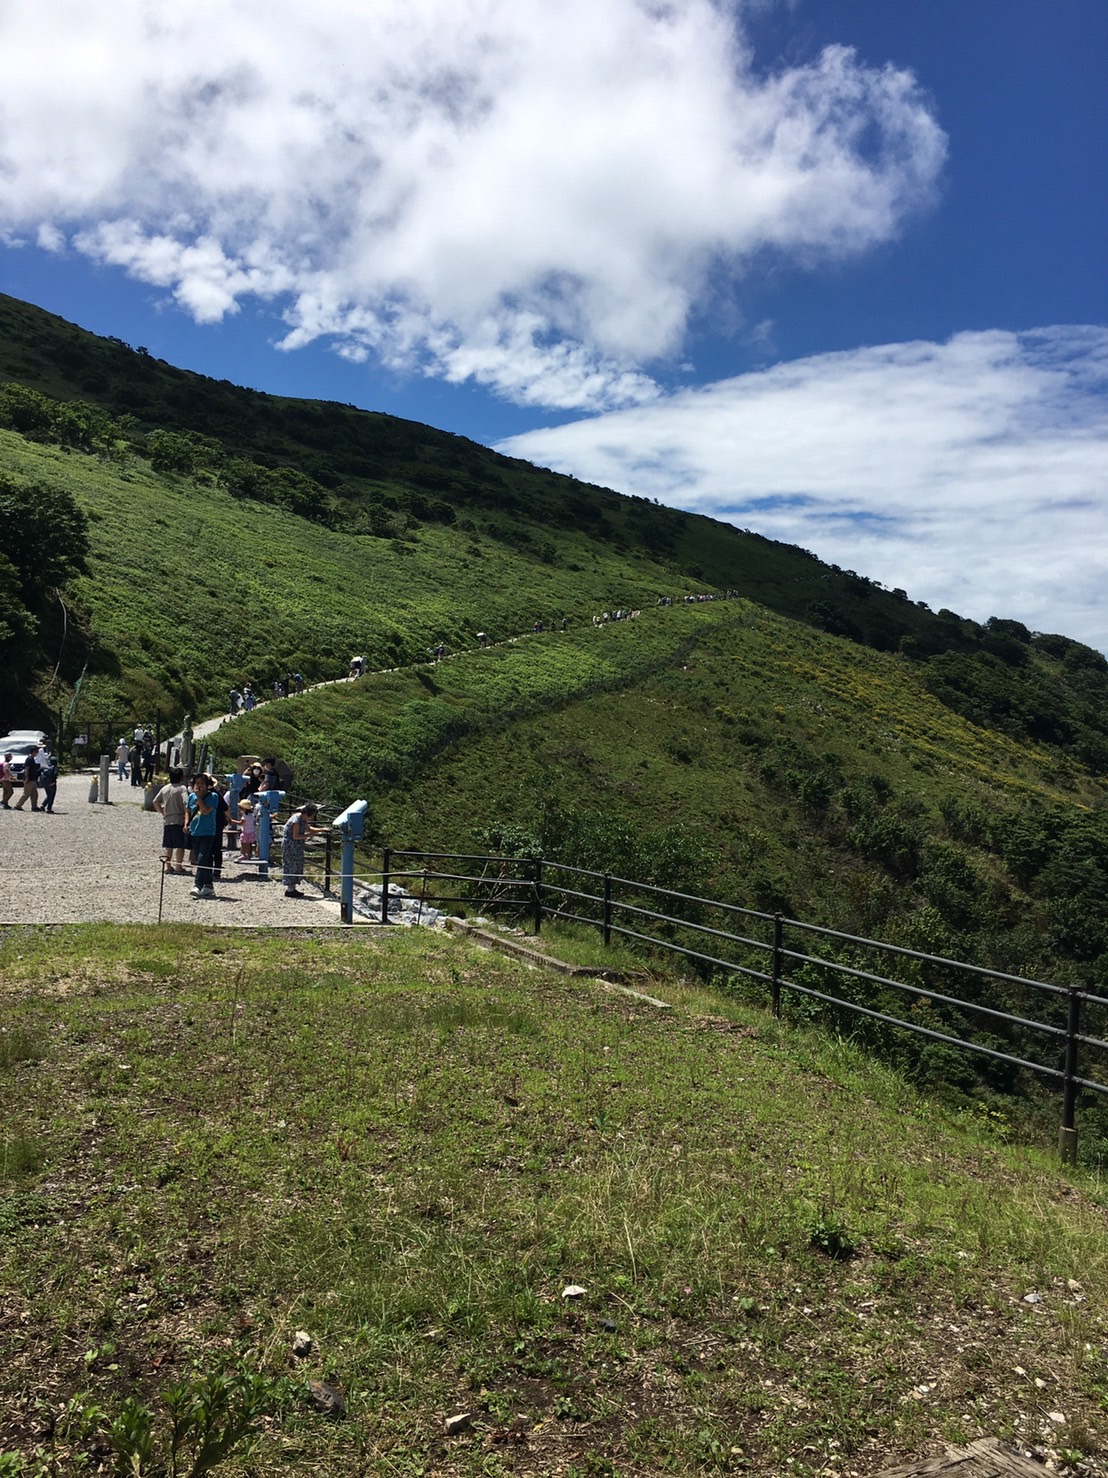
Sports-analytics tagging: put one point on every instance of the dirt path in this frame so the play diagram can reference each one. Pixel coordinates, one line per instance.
(86, 864)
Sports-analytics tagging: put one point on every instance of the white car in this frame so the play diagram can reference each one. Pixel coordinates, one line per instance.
(19, 745)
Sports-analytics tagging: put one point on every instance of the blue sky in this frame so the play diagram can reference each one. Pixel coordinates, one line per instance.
(832, 269)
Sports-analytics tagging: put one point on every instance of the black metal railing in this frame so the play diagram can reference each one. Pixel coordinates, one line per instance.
(841, 972)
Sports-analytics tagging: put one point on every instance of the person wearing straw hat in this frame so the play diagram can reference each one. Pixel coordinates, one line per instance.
(248, 831)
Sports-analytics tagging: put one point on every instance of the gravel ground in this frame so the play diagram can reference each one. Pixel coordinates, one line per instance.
(87, 864)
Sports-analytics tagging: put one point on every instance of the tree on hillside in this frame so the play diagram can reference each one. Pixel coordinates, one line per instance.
(46, 542)
(18, 635)
(17, 625)
(45, 536)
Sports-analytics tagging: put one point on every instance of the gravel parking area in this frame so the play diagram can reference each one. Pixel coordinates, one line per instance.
(92, 863)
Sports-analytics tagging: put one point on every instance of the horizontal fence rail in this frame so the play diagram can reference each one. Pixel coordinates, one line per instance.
(790, 957)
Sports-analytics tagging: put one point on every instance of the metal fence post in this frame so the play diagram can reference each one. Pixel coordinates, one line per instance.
(607, 909)
(775, 984)
(538, 895)
(386, 858)
(350, 824)
(327, 860)
(1067, 1134)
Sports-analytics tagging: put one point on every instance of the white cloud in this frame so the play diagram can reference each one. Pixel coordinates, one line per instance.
(50, 239)
(974, 474)
(527, 193)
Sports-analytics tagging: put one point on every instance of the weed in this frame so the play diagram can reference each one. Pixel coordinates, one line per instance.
(21, 1155)
(193, 1429)
(21, 1045)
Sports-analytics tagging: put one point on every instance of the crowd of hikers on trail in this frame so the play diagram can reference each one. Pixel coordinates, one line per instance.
(205, 813)
(358, 664)
(244, 700)
(136, 757)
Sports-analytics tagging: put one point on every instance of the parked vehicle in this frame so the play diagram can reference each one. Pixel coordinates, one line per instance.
(19, 745)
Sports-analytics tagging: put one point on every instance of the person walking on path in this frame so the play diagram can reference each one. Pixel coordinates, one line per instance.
(49, 778)
(171, 803)
(7, 781)
(135, 758)
(122, 755)
(201, 823)
(30, 784)
(298, 828)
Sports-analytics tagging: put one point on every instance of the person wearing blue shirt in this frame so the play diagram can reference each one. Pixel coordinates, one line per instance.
(202, 807)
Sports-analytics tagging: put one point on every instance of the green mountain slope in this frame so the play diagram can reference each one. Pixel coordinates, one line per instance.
(190, 590)
(362, 471)
(360, 489)
(810, 742)
(726, 751)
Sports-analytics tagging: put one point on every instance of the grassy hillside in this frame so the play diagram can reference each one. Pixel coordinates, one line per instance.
(748, 759)
(357, 471)
(812, 743)
(389, 727)
(407, 1150)
(190, 590)
(342, 500)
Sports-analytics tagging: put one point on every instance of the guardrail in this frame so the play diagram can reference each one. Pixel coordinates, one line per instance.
(769, 949)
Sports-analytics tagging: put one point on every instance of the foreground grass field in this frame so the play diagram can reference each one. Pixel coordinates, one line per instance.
(407, 1150)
